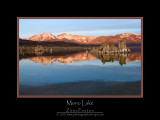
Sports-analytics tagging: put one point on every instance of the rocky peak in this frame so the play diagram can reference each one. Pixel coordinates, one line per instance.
(76, 38)
(123, 35)
(42, 37)
(64, 34)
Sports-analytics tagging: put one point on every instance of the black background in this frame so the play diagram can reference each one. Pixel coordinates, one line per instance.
(44, 107)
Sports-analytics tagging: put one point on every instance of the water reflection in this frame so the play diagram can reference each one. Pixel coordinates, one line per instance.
(122, 58)
(83, 56)
(47, 60)
(85, 75)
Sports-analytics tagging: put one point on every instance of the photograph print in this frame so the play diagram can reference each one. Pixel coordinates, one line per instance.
(97, 57)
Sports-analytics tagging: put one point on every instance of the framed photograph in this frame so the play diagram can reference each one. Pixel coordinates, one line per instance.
(80, 57)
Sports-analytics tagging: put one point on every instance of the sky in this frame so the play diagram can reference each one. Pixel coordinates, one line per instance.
(86, 27)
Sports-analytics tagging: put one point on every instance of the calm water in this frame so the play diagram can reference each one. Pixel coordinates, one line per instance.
(80, 73)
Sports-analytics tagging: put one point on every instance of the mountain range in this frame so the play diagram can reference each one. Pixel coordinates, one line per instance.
(131, 38)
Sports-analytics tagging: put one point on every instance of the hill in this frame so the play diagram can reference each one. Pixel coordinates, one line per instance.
(47, 43)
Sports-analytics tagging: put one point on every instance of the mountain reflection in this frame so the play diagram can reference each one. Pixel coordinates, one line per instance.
(83, 56)
(47, 60)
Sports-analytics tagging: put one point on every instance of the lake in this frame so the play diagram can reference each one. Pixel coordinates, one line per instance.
(80, 73)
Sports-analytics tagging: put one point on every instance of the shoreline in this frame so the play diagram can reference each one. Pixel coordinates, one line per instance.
(81, 88)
